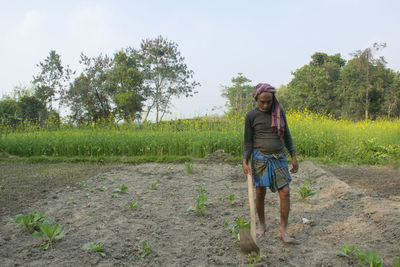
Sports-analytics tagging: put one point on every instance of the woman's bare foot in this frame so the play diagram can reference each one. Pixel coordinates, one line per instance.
(286, 238)
(261, 231)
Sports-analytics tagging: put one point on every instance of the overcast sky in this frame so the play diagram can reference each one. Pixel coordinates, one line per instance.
(264, 40)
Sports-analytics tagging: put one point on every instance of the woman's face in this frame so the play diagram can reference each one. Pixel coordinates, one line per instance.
(264, 101)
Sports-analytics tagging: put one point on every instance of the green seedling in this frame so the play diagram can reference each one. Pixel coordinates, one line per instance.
(200, 205)
(72, 201)
(201, 189)
(114, 195)
(240, 166)
(50, 233)
(231, 198)
(240, 224)
(346, 250)
(309, 180)
(153, 186)
(87, 195)
(131, 205)
(255, 258)
(82, 184)
(146, 250)
(227, 186)
(170, 168)
(122, 189)
(189, 168)
(31, 222)
(101, 188)
(371, 257)
(139, 198)
(95, 247)
(306, 192)
(396, 262)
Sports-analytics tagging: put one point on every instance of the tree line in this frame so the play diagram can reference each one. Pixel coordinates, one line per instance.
(361, 88)
(128, 86)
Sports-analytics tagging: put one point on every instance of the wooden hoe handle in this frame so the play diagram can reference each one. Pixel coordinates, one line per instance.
(251, 203)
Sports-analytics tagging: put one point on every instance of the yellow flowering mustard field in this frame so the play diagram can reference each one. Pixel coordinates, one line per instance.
(314, 136)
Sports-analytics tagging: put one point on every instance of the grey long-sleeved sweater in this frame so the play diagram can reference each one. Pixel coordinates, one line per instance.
(258, 134)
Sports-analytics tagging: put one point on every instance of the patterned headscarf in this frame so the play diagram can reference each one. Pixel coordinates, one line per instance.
(278, 124)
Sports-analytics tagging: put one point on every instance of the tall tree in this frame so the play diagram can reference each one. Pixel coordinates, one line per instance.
(129, 93)
(313, 85)
(90, 95)
(165, 73)
(30, 108)
(391, 104)
(239, 95)
(361, 85)
(52, 80)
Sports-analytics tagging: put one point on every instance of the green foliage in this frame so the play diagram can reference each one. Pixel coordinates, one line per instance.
(315, 136)
(346, 250)
(235, 228)
(122, 189)
(95, 247)
(31, 221)
(101, 188)
(305, 191)
(165, 73)
(153, 186)
(201, 200)
(131, 205)
(50, 233)
(231, 198)
(255, 258)
(189, 168)
(239, 98)
(146, 250)
(365, 258)
(396, 262)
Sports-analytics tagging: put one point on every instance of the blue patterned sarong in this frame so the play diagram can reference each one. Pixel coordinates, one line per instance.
(270, 170)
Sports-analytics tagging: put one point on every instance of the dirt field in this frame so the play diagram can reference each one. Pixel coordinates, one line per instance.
(355, 205)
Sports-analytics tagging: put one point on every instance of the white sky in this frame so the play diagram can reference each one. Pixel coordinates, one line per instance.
(264, 40)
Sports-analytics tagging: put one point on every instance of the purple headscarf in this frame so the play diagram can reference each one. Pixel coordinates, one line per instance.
(278, 124)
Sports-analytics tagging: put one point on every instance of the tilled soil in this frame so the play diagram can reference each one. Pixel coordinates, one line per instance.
(92, 211)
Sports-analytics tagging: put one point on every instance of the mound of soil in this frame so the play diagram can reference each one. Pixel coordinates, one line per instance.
(217, 156)
(93, 211)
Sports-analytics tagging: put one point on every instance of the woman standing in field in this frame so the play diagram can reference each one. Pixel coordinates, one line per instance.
(266, 134)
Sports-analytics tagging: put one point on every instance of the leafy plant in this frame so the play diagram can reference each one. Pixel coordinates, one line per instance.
(201, 200)
(235, 228)
(95, 247)
(153, 186)
(189, 168)
(50, 233)
(122, 189)
(31, 221)
(396, 262)
(346, 250)
(131, 205)
(102, 188)
(370, 256)
(255, 258)
(146, 249)
(306, 192)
